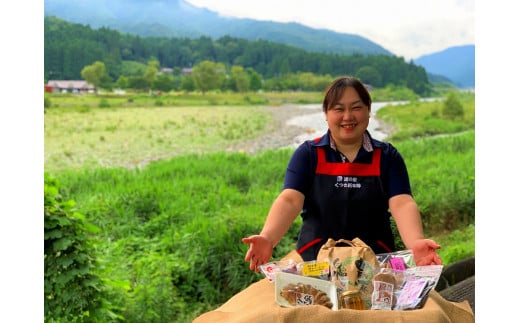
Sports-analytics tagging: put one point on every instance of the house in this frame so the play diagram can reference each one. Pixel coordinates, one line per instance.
(186, 71)
(166, 70)
(69, 86)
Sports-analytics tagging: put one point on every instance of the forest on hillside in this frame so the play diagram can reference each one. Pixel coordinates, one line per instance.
(69, 48)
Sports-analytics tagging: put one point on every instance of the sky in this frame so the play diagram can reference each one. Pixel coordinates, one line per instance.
(407, 28)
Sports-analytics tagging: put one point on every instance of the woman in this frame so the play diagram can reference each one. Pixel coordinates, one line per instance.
(346, 185)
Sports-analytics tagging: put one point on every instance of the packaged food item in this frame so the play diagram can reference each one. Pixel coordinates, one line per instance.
(351, 299)
(348, 259)
(404, 289)
(398, 260)
(270, 268)
(384, 287)
(365, 285)
(305, 294)
(353, 277)
(295, 290)
(316, 269)
(418, 282)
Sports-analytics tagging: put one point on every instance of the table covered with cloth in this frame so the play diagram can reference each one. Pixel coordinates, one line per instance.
(257, 303)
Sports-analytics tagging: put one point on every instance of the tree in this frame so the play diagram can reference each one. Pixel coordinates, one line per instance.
(138, 83)
(255, 79)
(369, 75)
(69, 47)
(208, 75)
(187, 83)
(163, 83)
(132, 68)
(150, 74)
(239, 78)
(95, 74)
(123, 82)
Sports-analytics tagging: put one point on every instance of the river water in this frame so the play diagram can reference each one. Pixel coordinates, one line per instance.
(315, 124)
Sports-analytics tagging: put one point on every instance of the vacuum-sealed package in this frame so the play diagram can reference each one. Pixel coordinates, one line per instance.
(397, 260)
(418, 282)
(293, 290)
(271, 268)
(404, 289)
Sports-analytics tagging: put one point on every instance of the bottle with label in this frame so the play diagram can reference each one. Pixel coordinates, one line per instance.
(351, 299)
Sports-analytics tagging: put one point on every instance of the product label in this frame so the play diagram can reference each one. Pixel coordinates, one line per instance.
(397, 264)
(303, 299)
(316, 269)
(382, 296)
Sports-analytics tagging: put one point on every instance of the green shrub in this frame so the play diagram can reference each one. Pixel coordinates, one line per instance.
(452, 106)
(47, 103)
(72, 291)
(103, 103)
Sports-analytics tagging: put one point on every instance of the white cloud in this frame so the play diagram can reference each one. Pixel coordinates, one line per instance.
(408, 28)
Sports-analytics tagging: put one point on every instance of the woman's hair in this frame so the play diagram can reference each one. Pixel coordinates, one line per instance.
(335, 90)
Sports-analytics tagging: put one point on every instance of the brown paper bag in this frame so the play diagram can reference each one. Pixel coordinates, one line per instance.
(352, 263)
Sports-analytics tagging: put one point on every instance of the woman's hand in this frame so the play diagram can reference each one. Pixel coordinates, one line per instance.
(424, 253)
(260, 251)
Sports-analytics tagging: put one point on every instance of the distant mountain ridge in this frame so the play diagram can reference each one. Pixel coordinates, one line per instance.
(178, 18)
(456, 63)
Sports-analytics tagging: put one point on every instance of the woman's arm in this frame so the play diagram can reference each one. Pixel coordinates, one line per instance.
(284, 210)
(406, 213)
(282, 214)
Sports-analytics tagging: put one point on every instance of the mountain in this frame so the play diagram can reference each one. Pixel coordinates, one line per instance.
(178, 18)
(456, 63)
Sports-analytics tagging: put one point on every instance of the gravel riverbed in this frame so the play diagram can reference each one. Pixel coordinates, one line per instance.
(294, 124)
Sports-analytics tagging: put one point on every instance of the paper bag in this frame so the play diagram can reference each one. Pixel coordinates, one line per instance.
(352, 263)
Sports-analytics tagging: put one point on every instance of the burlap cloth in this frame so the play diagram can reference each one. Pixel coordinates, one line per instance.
(257, 303)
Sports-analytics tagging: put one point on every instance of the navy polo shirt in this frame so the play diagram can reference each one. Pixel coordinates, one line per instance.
(302, 166)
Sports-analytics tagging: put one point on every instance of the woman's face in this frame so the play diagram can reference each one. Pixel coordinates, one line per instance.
(348, 118)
